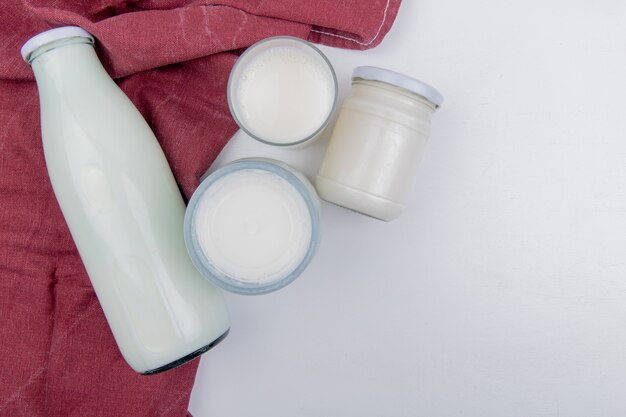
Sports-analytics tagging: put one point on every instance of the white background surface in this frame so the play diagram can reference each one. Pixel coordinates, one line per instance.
(502, 289)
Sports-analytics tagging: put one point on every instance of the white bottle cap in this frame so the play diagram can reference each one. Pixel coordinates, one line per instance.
(399, 80)
(51, 36)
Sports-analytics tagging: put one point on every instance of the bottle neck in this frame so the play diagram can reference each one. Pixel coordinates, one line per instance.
(71, 64)
(385, 91)
(57, 44)
(387, 102)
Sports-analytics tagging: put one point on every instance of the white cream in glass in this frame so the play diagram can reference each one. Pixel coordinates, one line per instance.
(253, 226)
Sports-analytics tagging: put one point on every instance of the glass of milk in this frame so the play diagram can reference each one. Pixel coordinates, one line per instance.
(282, 91)
(253, 226)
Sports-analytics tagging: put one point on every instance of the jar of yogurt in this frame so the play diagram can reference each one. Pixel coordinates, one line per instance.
(377, 142)
(253, 225)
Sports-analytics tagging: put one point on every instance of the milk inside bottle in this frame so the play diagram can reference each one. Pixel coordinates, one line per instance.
(123, 207)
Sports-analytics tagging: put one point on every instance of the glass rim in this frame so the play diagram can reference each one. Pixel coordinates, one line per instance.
(239, 61)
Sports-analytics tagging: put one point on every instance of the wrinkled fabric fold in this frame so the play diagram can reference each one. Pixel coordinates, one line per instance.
(172, 58)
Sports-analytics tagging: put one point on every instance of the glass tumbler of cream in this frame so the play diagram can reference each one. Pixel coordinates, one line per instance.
(253, 226)
(282, 91)
(377, 142)
(123, 207)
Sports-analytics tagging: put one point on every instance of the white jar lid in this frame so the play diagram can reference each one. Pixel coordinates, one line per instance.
(51, 36)
(399, 80)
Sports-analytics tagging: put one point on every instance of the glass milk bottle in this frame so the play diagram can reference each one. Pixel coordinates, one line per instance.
(122, 206)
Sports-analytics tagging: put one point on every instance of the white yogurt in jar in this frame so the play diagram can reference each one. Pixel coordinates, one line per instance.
(252, 226)
(282, 91)
(377, 142)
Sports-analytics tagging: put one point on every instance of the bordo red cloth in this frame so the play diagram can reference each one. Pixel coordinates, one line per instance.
(172, 57)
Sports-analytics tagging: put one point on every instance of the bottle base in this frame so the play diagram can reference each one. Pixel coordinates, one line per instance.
(357, 200)
(187, 358)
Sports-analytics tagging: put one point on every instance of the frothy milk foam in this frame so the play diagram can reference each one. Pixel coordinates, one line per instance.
(284, 94)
